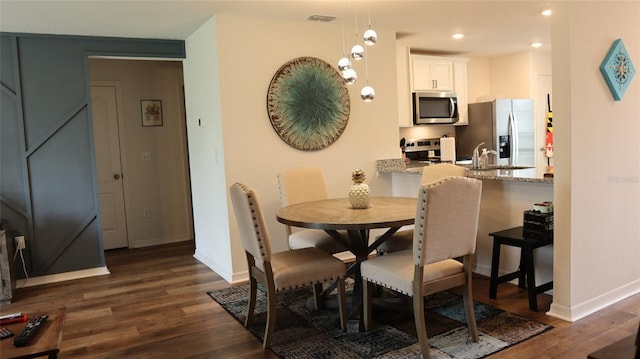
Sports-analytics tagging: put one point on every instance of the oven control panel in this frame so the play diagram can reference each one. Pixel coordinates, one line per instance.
(427, 149)
(428, 144)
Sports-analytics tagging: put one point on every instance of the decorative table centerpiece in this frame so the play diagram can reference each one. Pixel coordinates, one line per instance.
(359, 192)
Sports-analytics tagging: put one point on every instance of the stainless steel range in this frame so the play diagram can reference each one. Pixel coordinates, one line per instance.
(423, 150)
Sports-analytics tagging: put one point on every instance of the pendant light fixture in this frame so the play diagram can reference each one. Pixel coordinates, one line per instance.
(357, 51)
(370, 35)
(344, 63)
(367, 94)
(350, 76)
(370, 38)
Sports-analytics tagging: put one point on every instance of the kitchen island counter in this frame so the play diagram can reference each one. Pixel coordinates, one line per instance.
(506, 194)
(518, 175)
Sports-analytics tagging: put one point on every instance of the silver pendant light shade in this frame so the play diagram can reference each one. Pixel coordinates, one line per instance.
(370, 37)
(344, 63)
(367, 94)
(357, 52)
(350, 76)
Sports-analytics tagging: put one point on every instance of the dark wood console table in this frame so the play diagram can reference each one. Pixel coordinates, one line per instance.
(514, 237)
(45, 343)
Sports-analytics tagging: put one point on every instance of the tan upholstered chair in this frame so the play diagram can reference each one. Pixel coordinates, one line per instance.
(306, 184)
(404, 239)
(445, 228)
(280, 271)
(440, 171)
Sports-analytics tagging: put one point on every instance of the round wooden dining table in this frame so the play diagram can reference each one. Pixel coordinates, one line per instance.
(333, 215)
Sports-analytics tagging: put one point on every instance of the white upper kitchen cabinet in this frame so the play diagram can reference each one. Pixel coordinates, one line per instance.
(418, 73)
(431, 73)
(405, 111)
(460, 88)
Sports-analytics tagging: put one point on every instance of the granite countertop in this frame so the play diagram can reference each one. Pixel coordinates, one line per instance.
(397, 165)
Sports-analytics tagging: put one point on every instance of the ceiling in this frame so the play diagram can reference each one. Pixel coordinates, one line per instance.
(490, 27)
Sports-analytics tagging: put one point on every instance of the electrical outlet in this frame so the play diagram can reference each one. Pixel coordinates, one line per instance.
(20, 243)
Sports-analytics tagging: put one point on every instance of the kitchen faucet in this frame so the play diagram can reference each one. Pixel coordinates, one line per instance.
(475, 160)
(495, 154)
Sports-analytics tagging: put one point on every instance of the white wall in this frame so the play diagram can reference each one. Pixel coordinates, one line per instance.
(479, 79)
(510, 75)
(206, 155)
(597, 163)
(161, 184)
(242, 56)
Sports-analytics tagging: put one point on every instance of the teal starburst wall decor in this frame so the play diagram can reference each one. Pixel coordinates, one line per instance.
(308, 103)
(617, 69)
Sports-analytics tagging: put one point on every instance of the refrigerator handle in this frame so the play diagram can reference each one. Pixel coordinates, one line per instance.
(513, 135)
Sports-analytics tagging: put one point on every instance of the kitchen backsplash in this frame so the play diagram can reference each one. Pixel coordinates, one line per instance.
(426, 131)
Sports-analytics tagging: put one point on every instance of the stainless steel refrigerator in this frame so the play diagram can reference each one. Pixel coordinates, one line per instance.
(504, 125)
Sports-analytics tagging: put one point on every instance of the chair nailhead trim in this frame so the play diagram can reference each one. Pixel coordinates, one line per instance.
(386, 285)
(302, 285)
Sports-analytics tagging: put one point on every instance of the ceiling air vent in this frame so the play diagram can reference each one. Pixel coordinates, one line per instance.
(321, 18)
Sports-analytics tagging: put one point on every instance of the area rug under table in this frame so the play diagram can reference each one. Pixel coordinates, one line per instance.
(304, 333)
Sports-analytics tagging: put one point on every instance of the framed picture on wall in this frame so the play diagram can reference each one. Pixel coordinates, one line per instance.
(151, 112)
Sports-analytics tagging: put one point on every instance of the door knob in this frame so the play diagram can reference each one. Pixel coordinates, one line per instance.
(116, 176)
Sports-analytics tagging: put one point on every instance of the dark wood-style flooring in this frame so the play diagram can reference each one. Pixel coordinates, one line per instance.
(154, 305)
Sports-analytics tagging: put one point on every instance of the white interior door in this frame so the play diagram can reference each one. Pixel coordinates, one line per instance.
(109, 168)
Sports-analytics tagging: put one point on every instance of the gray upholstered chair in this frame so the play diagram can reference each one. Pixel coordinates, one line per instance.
(404, 239)
(280, 271)
(305, 184)
(445, 228)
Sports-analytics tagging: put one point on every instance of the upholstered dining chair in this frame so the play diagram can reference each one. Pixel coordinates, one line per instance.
(280, 271)
(305, 184)
(402, 240)
(445, 228)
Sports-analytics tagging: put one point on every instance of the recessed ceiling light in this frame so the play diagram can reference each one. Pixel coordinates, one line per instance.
(546, 12)
(457, 36)
(536, 44)
(321, 18)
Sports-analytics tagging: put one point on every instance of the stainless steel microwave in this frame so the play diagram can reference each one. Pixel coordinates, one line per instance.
(435, 108)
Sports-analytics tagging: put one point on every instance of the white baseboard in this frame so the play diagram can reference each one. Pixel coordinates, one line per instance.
(240, 277)
(232, 278)
(61, 277)
(482, 270)
(586, 308)
(158, 241)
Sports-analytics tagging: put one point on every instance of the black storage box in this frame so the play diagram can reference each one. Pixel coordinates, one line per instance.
(537, 224)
